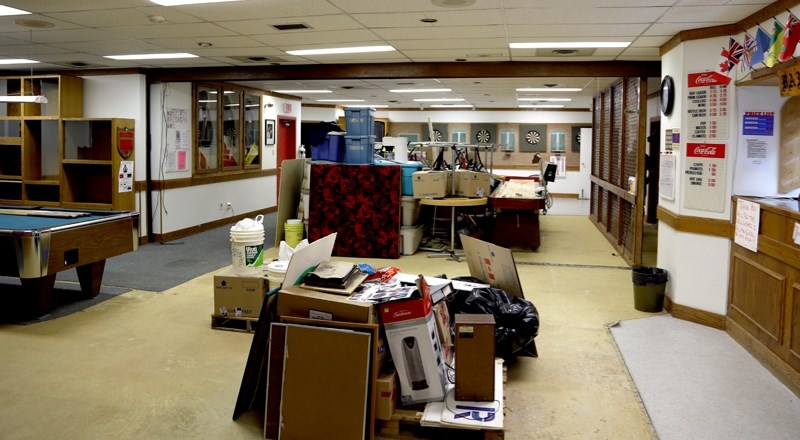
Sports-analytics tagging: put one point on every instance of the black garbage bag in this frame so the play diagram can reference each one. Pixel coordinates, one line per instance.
(313, 133)
(516, 319)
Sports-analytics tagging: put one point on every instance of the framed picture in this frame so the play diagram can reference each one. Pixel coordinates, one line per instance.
(269, 132)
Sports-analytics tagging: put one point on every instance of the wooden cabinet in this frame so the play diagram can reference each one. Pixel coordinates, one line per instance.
(50, 156)
(764, 293)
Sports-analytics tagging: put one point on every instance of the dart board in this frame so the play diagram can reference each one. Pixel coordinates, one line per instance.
(533, 137)
(483, 136)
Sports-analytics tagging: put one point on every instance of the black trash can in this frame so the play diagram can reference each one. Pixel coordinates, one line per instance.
(649, 284)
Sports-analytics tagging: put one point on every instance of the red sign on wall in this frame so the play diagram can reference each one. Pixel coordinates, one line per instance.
(708, 151)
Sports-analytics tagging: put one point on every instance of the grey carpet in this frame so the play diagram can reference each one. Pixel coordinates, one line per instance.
(153, 267)
(696, 382)
(157, 267)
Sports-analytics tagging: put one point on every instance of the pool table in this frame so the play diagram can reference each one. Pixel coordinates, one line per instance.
(36, 244)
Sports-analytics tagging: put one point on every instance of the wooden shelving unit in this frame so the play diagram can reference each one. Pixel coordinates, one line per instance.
(51, 156)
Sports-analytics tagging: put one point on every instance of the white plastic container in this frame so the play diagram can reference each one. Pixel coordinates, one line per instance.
(410, 238)
(276, 272)
(410, 209)
(247, 246)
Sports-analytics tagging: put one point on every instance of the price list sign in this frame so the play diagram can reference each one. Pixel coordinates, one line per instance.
(708, 105)
(704, 177)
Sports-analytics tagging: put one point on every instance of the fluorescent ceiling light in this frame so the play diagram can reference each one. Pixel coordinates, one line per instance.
(540, 106)
(569, 44)
(420, 90)
(188, 2)
(545, 99)
(450, 106)
(152, 56)
(439, 100)
(302, 91)
(340, 100)
(34, 99)
(549, 89)
(18, 61)
(5, 10)
(341, 50)
(368, 105)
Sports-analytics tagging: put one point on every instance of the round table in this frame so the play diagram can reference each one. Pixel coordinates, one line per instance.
(454, 203)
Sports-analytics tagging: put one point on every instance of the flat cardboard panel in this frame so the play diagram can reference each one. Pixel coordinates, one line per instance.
(289, 197)
(272, 406)
(492, 264)
(474, 335)
(320, 402)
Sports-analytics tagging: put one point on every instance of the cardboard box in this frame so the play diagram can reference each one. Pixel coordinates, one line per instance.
(239, 295)
(442, 316)
(472, 184)
(475, 342)
(414, 343)
(305, 303)
(387, 395)
(430, 184)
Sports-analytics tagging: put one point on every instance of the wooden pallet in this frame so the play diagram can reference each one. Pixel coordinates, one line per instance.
(234, 323)
(405, 424)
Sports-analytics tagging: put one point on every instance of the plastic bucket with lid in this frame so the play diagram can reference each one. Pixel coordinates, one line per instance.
(276, 271)
(247, 246)
(293, 232)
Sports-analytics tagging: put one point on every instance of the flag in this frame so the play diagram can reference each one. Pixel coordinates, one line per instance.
(750, 48)
(775, 44)
(790, 38)
(762, 46)
(730, 56)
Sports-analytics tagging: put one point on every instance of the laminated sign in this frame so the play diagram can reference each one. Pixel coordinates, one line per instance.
(708, 106)
(704, 177)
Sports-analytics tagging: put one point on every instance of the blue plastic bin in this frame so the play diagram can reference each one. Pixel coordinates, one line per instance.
(359, 149)
(331, 149)
(360, 121)
(409, 169)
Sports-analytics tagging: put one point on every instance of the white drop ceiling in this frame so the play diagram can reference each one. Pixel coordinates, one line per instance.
(243, 34)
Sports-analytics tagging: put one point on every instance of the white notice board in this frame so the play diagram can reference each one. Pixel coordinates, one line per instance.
(666, 176)
(704, 177)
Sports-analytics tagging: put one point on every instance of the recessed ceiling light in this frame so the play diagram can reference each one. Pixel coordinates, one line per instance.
(569, 44)
(541, 106)
(545, 99)
(429, 20)
(439, 100)
(302, 91)
(549, 89)
(152, 56)
(368, 105)
(188, 2)
(18, 61)
(34, 24)
(453, 3)
(204, 44)
(156, 19)
(451, 106)
(341, 50)
(5, 10)
(419, 90)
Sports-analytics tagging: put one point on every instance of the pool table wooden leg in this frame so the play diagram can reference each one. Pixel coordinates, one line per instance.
(91, 277)
(41, 293)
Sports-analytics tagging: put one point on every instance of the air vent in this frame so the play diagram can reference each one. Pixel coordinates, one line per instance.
(256, 59)
(291, 26)
(566, 52)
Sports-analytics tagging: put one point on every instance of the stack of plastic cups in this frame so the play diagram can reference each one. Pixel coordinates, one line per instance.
(247, 246)
(276, 271)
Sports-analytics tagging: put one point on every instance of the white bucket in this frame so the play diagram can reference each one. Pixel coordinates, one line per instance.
(276, 271)
(247, 250)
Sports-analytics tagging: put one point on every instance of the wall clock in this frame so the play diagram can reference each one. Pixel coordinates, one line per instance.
(483, 136)
(667, 95)
(533, 137)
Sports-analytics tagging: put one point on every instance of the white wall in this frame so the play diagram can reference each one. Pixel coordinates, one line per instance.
(698, 265)
(320, 114)
(122, 96)
(181, 208)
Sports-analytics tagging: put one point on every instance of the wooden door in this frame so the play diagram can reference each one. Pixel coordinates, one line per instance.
(286, 143)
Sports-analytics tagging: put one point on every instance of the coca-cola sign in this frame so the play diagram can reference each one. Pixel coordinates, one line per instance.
(706, 79)
(709, 151)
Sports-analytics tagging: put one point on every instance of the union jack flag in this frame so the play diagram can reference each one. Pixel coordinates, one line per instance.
(731, 55)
